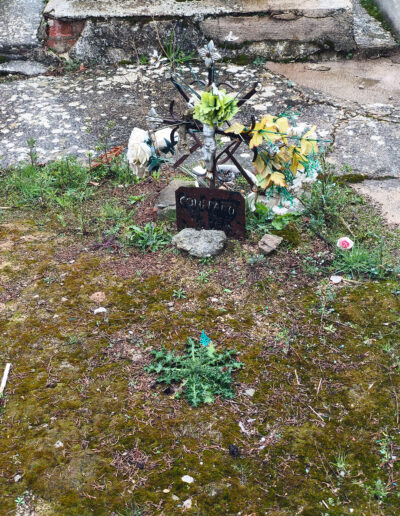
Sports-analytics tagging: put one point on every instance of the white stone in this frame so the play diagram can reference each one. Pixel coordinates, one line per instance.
(188, 479)
(100, 310)
(187, 504)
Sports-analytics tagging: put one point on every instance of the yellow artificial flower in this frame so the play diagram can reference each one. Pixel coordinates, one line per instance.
(235, 128)
(307, 145)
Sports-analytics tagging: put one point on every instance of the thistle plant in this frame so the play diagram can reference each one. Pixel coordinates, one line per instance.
(202, 372)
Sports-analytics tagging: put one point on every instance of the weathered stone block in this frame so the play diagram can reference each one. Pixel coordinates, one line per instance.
(269, 243)
(202, 244)
(166, 205)
(277, 29)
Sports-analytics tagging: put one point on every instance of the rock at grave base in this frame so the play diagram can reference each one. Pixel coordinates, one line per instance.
(269, 243)
(202, 244)
(165, 207)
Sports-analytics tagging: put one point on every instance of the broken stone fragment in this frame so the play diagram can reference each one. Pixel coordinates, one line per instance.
(166, 202)
(269, 243)
(202, 244)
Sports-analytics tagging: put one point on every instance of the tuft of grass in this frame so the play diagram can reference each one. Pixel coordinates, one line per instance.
(361, 261)
(147, 238)
(174, 52)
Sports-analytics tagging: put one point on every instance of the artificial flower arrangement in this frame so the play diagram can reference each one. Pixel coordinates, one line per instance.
(285, 156)
(144, 151)
(215, 107)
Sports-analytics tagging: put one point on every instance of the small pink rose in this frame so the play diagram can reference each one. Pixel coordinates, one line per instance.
(345, 243)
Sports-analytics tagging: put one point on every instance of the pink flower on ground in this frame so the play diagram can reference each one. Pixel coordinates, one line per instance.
(345, 243)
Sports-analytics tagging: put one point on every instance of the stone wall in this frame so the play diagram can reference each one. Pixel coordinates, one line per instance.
(113, 31)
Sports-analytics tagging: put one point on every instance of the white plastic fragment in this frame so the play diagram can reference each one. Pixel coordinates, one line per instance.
(336, 279)
(100, 310)
(188, 479)
(5, 377)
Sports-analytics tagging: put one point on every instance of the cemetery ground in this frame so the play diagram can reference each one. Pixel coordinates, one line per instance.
(314, 424)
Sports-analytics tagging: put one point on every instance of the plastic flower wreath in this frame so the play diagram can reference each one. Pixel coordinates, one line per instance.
(282, 151)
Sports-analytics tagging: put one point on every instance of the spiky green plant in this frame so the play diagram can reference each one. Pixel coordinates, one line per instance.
(202, 372)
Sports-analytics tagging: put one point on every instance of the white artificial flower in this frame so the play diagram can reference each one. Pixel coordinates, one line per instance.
(216, 92)
(209, 54)
(155, 57)
(298, 130)
(139, 135)
(139, 171)
(298, 182)
(231, 37)
(162, 137)
(311, 178)
(139, 152)
(199, 171)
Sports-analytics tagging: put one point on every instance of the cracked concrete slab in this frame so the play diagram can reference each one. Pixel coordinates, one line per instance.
(369, 32)
(80, 9)
(364, 82)
(385, 195)
(69, 114)
(370, 147)
(29, 68)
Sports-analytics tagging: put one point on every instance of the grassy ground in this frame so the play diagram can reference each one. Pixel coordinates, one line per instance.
(88, 431)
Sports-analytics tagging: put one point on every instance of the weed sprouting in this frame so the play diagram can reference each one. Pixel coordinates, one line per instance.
(179, 294)
(174, 52)
(147, 238)
(361, 261)
(202, 372)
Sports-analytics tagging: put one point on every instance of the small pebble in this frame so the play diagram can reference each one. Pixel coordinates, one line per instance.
(187, 504)
(59, 444)
(98, 297)
(166, 490)
(100, 310)
(188, 479)
(175, 498)
(250, 392)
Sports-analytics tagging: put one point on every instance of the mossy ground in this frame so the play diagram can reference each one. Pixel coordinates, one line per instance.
(323, 361)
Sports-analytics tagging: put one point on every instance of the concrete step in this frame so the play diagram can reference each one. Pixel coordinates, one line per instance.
(110, 30)
(19, 25)
(369, 34)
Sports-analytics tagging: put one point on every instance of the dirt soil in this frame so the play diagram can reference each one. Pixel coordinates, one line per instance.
(314, 427)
